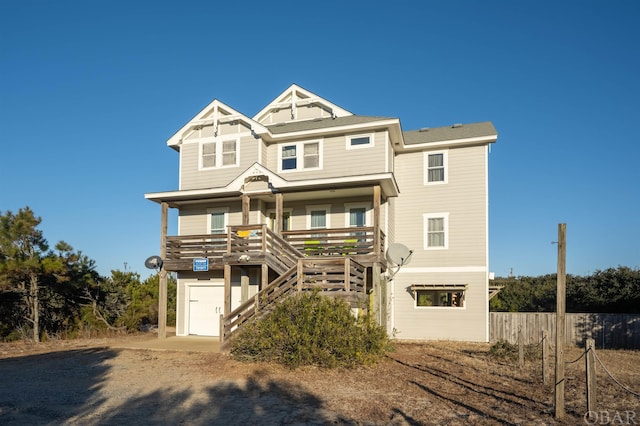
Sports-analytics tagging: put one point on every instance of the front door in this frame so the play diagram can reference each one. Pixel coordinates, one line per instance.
(206, 304)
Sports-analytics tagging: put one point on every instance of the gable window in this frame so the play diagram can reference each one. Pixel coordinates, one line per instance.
(436, 231)
(439, 295)
(219, 153)
(359, 141)
(435, 167)
(300, 156)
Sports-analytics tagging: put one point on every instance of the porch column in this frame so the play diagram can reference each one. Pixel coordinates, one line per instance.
(244, 285)
(376, 221)
(227, 289)
(246, 209)
(162, 293)
(278, 223)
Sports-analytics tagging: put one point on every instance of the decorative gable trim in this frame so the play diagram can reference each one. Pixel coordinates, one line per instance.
(296, 97)
(214, 114)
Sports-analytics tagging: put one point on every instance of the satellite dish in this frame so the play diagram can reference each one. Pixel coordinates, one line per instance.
(399, 254)
(153, 262)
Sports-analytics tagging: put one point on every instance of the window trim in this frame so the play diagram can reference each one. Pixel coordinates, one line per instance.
(327, 212)
(219, 154)
(300, 156)
(217, 210)
(349, 138)
(426, 217)
(284, 211)
(445, 166)
(441, 288)
(347, 212)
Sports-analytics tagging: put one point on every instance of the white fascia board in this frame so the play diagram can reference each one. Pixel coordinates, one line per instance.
(235, 187)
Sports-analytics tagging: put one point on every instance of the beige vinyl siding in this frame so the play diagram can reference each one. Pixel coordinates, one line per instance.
(194, 178)
(441, 323)
(337, 160)
(313, 111)
(196, 220)
(463, 198)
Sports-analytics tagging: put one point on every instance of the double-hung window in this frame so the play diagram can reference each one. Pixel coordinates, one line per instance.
(219, 153)
(435, 167)
(218, 222)
(300, 156)
(436, 232)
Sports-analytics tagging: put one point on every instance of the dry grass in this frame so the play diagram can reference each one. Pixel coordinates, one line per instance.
(444, 383)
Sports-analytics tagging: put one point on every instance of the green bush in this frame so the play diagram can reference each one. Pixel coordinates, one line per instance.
(310, 329)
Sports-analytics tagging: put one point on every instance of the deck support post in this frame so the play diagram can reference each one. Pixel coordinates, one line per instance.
(278, 222)
(376, 222)
(162, 291)
(244, 285)
(227, 289)
(246, 208)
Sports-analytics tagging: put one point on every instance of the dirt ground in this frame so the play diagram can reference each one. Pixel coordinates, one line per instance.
(97, 382)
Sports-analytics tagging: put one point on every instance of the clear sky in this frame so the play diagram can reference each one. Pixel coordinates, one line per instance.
(90, 91)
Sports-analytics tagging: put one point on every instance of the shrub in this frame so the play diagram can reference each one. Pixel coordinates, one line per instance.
(310, 329)
(503, 350)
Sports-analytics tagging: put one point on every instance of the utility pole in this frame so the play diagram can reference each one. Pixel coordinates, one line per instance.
(560, 320)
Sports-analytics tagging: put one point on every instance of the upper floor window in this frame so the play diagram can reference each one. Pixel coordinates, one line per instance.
(300, 156)
(318, 216)
(359, 141)
(435, 167)
(436, 233)
(219, 153)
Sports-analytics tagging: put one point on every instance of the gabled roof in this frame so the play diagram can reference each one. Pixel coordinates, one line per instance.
(213, 114)
(458, 133)
(295, 96)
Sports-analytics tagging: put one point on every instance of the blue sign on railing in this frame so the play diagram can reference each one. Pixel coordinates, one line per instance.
(201, 264)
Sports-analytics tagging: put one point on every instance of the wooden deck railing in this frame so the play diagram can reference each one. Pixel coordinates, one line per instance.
(341, 277)
(358, 242)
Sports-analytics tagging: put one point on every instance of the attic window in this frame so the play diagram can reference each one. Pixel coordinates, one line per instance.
(439, 295)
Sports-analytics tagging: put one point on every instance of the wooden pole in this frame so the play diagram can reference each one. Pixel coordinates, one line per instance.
(591, 375)
(560, 321)
(279, 212)
(162, 291)
(246, 209)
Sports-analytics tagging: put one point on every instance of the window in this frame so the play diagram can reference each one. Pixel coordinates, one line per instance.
(436, 231)
(219, 153)
(286, 220)
(357, 215)
(218, 225)
(359, 141)
(443, 295)
(300, 156)
(436, 168)
(318, 216)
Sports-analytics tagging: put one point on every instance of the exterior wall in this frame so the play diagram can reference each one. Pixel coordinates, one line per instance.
(337, 160)
(465, 261)
(193, 177)
(469, 323)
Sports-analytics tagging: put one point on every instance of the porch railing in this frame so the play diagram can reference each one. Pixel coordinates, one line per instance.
(239, 239)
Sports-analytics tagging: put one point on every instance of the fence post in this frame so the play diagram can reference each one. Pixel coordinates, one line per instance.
(591, 375)
(545, 357)
(520, 348)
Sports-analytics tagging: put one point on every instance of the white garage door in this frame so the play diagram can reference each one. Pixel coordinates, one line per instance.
(206, 303)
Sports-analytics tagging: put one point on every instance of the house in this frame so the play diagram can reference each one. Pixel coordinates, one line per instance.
(306, 194)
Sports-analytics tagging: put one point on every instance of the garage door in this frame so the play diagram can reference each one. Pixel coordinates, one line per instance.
(206, 303)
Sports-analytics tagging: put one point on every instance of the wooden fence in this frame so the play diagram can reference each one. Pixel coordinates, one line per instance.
(610, 331)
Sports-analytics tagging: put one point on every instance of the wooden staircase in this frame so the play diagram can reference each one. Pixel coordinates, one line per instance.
(338, 276)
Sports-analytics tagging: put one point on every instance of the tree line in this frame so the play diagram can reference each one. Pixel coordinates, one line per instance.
(57, 292)
(613, 290)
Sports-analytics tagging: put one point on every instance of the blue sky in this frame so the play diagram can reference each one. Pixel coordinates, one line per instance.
(91, 91)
